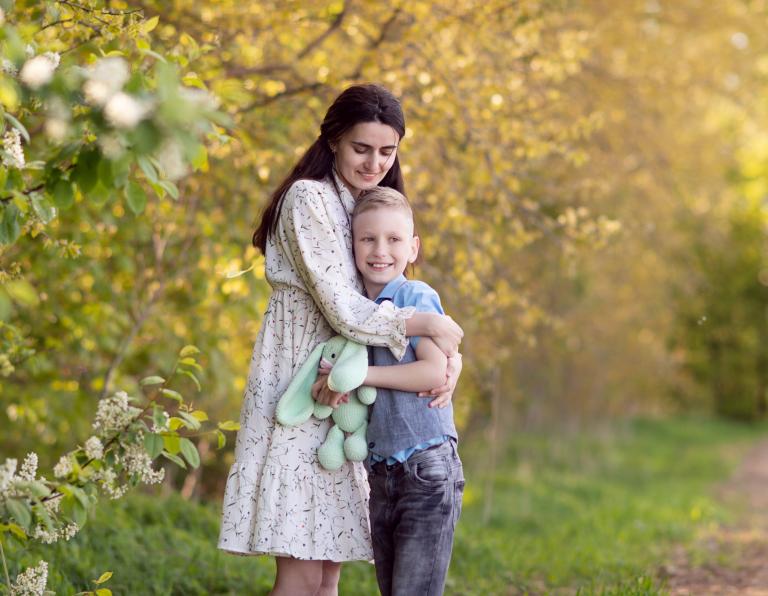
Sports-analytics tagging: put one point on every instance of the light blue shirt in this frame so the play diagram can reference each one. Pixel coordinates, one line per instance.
(424, 299)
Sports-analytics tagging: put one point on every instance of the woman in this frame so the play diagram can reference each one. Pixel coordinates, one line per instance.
(278, 500)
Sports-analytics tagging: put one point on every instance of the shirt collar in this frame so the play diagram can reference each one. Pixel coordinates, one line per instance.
(388, 292)
(346, 197)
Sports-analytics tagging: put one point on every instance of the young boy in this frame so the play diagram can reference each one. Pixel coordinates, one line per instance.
(414, 470)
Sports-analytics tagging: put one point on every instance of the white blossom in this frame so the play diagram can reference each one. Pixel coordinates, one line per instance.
(105, 78)
(96, 92)
(38, 71)
(52, 505)
(29, 50)
(29, 467)
(69, 531)
(31, 582)
(57, 119)
(63, 468)
(56, 129)
(111, 145)
(47, 536)
(7, 474)
(113, 413)
(107, 478)
(200, 97)
(172, 160)
(14, 154)
(94, 448)
(125, 111)
(137, 461)
(158, 428)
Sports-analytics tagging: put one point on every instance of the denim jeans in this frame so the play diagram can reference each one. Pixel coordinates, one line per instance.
(414, 509)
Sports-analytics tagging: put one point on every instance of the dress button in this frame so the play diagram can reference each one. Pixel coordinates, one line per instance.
(371, 445)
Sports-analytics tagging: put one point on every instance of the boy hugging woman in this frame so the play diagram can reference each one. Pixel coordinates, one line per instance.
(414, 471)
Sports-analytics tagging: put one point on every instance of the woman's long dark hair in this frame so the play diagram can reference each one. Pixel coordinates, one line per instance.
(360, 103)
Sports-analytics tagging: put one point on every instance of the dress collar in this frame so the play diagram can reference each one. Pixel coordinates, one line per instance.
(346, 197)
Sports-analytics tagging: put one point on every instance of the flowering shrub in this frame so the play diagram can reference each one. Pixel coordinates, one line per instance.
(89, 113)
(129, 435)
(110, 120)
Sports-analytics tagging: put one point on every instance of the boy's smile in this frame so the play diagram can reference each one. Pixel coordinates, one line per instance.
(384, 246)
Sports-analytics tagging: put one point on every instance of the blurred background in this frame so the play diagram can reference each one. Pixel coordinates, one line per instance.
(590, 183)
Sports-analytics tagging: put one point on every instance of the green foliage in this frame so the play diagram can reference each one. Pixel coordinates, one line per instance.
(154, 546)
(118, 456)
(723, 321)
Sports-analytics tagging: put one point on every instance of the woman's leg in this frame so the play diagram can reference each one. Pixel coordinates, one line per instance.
(297, 578)
(330, 583)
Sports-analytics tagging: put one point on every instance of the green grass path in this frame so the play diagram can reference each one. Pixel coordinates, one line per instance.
(594, 513)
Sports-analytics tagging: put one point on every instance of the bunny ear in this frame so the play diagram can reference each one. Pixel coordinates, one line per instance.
(350, 369)
(296, 404)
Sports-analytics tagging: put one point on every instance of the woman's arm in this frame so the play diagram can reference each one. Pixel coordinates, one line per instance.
(307, 233)
(443, 330)
(427, 372)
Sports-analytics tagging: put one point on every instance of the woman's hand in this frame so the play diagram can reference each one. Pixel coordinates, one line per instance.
(444, 394)
(443, 330)
(324, 396)
(447, 336)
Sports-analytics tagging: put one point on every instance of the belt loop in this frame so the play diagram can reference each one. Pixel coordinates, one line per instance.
(407, 467)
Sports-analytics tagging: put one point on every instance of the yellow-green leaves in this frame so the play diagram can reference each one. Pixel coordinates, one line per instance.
(135, 197)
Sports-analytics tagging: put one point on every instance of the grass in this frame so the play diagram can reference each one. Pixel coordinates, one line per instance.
(587, 514)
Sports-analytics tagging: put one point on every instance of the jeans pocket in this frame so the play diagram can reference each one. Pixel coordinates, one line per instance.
(430, 472)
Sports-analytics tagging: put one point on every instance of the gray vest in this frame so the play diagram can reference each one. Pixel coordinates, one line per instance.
(399, 419)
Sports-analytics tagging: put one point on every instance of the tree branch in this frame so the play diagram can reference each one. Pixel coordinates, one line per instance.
(265, 101)
(113, 12)
(325, 34)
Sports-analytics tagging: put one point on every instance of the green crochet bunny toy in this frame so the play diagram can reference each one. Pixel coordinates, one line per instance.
(350, 366)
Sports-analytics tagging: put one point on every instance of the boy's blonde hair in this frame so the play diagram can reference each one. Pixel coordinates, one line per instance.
(381, 196)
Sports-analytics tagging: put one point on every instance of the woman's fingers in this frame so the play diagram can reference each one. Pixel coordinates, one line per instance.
(453, 369)
(444, 394)
(441, 401)
(436, 391)
(449, 336)
(447, 345)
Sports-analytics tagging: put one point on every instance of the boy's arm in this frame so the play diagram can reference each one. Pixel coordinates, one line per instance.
(426, 373)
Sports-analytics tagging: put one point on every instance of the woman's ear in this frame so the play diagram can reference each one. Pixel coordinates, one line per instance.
(296, 404)
(350, 369)
(415, 246)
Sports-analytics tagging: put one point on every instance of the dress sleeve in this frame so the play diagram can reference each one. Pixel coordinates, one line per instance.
(320, 261)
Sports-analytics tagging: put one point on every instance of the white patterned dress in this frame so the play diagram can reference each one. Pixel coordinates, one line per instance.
(278, 500)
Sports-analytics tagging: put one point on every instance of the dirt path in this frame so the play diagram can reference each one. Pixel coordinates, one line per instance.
(737, 554)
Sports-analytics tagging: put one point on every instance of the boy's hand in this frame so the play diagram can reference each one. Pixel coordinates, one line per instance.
(444, 394)
(324, 396)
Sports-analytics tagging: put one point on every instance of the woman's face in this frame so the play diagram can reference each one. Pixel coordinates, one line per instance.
(364, 155)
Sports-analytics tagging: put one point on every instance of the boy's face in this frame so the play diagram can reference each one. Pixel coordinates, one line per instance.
(384, 246)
